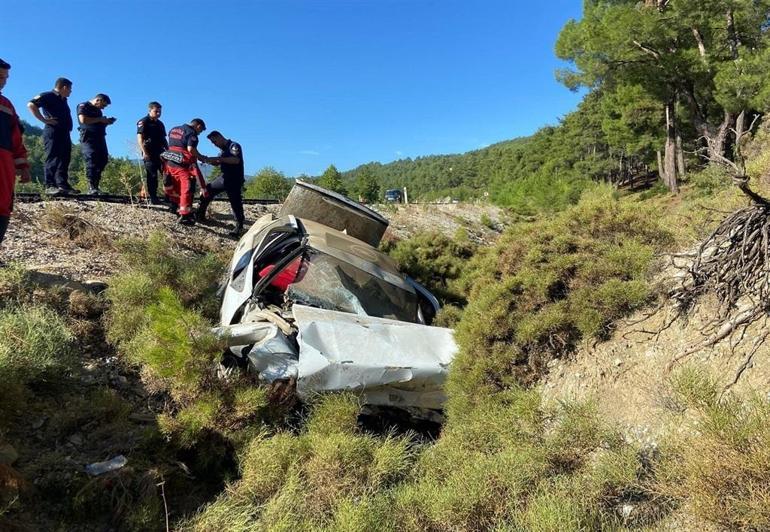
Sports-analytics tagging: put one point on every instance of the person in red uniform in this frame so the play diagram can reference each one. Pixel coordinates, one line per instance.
(182, 167)
(13, 154)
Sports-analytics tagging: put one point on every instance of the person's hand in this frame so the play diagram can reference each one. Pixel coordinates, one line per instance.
(205, 159)
(205, 193)
(111, 120)
(51, 121)
(24, 175)
(146, 157)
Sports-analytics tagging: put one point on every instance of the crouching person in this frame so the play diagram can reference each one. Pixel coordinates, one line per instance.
(230, 161)
(182, 168)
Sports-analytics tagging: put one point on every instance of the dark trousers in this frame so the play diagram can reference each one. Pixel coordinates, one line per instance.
(96, 157)
(152, 167)
(234, 194)
(3, 226)
(58, 152)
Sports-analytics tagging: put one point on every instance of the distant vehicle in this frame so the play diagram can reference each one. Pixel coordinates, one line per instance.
(394, 195)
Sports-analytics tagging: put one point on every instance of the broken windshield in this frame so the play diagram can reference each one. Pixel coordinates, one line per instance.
(329, 283)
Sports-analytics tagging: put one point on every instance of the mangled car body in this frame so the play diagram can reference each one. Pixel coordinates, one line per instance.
(311, 305)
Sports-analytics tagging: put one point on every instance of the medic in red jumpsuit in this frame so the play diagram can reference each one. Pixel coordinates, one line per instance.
(13, 154)
(182, 167)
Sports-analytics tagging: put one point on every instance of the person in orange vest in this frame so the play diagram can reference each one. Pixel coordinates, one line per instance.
(181, 165)
(13, 154)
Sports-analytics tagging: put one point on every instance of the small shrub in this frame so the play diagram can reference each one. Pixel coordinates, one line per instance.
(34, 343)
(176, 347)
(435, 261)
(720, 468)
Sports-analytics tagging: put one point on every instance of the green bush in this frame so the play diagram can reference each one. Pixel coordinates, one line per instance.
(35, 343)
(435, 261)
(547, 284)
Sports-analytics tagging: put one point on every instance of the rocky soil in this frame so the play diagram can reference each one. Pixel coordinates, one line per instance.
(76, 239)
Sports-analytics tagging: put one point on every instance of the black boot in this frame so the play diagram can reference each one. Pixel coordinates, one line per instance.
(187, 219)
(200, 214)
(3, 226)
(237, 230)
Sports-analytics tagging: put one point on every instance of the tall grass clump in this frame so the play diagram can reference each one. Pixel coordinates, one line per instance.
(35, 343)
(719, 467)
(329, 475)
(160, 318)
(550, 283)
(435, 261)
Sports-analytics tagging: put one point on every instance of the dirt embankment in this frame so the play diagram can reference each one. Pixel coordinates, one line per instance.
(629, 376)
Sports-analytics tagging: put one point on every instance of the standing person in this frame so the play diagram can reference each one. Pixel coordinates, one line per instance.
(181, 163)
(57, 118)
(13, 154)
(151, 137)
(93, 143)
(230, 160)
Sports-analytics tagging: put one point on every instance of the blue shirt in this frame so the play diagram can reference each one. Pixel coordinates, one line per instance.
(55, 106)
(232, 172)
(88, 109)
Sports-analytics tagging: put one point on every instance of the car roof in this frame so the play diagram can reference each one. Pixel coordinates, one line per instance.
(354, 251)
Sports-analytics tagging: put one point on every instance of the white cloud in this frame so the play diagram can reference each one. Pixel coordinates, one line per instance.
(399, 153)
(309, 152)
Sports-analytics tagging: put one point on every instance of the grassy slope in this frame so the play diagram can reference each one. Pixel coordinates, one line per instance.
(504, 458)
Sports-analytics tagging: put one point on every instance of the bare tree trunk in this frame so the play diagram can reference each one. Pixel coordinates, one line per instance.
(669, 162)
(718, 142)
(680, 166)
(661, 170)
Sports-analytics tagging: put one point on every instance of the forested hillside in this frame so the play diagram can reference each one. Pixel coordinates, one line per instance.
(671, 85)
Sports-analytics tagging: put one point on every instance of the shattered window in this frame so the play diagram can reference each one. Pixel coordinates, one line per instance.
(332, 284)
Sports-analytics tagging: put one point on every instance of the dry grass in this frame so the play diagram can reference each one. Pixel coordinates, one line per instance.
(65, 222)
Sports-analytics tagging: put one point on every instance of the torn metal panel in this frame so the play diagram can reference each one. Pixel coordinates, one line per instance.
(270, 352)
(391, 362)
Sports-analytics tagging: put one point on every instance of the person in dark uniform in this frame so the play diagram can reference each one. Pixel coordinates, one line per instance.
(13, 154)
(181, 164)
(151, 137)
(93, 143)
(230, 161)
(57, 118)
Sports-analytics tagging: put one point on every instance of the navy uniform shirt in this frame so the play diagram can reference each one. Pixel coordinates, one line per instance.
(153, 134)
(232, 173)
(182, 136)
(54, 106)
(90, 110)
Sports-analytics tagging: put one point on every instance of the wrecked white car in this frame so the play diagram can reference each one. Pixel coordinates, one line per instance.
(314, 306)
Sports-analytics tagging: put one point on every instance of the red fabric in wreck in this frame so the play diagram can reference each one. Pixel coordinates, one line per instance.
(286, 276)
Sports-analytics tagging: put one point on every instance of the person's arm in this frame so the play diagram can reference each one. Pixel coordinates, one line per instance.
(88, 120)
(233, 158)
(140, 142)
(198, 155)
(226, 160)
(35, 110)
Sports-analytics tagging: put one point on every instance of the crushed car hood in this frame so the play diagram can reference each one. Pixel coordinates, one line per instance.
(391, 362)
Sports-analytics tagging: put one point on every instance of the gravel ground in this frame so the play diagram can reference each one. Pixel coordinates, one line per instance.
(76, 239)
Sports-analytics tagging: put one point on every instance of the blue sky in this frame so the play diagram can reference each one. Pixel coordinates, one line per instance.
(302, 84)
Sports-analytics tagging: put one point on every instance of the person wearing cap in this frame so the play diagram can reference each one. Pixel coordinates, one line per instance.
(151, 137)
(230, 161)
(182, 168)
(51, 108)
(93, 141)
(13, 154)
